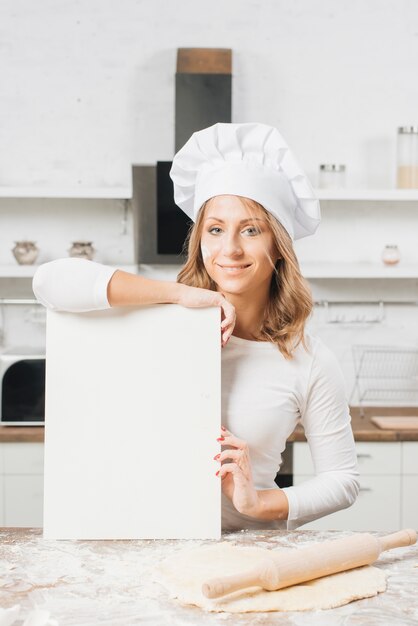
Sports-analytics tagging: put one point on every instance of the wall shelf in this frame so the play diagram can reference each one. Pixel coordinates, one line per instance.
(358, 270)
(27, 271)
(309, 270)
(116, 193)
(392, 195)
(123, 193)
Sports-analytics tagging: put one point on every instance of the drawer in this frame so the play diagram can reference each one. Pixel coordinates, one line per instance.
(410, 501)
(23, 501)
(370, 511)
(380, 457)
(23, 458)
(1, 501)
(410, 457)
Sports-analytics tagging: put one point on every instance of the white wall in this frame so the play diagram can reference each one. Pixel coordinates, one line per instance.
(87, 89)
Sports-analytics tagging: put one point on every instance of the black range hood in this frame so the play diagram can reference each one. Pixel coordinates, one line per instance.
(203, 97)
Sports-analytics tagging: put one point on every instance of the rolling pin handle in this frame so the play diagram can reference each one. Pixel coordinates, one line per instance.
(406, 537)
(213, 589)
(265, 575)
(216, 587)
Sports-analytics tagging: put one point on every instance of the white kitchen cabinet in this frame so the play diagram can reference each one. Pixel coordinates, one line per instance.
(23, 458)
(371, 510)
(379, 505)
(374, 457)
(410, 484)
(410, 457)
(21, 484)
(23, 500)
(1, 487)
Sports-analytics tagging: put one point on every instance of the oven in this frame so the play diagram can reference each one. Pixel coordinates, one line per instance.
(22, 387)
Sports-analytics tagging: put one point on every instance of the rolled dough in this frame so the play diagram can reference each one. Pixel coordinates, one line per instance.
(183, 574)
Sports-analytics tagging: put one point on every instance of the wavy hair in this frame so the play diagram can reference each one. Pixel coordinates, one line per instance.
(290, 302)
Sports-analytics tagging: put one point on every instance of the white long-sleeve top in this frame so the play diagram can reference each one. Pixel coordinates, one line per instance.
(263, 396)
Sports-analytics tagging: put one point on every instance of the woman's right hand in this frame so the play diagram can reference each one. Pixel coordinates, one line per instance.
(192, 297)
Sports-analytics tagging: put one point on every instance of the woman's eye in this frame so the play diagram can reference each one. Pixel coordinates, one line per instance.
(254, 230)
(214, 228)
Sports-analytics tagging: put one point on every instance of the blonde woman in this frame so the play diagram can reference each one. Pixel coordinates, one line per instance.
(249, 199)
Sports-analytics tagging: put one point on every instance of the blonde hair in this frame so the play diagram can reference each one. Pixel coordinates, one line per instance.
(290, 302)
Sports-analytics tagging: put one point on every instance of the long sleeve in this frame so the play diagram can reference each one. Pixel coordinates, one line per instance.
(326, 421)
(74, 285)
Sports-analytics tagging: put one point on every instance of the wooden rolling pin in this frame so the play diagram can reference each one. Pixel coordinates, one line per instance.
(283, 568)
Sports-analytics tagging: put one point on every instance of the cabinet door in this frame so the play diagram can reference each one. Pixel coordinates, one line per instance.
(1, 485)
(1, 501)
(410, 484)
(383, 457)
(23, 458)
(23, 500)
(410, 501)
(410, 457)
(377, 507)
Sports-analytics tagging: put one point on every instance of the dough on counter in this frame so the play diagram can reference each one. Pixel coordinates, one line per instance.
(183, 574)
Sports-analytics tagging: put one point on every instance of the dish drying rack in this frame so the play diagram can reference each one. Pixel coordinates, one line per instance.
(387, 375)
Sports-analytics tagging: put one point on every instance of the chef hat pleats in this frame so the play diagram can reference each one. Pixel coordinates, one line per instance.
(250, 160)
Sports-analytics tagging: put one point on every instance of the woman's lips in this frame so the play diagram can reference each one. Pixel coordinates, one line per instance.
(234, 270)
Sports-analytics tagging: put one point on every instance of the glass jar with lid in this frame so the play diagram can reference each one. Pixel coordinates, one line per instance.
(391, 254)
(331, 176)
(407, 157)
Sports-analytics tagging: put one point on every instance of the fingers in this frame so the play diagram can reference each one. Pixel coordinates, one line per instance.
(232, 468)
(239, 458)
(228, 323)
(236, 455)
(229, 440)
(238, 452)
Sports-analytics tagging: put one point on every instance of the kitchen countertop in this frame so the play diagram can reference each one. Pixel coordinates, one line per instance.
(363, 428)
(83, 583)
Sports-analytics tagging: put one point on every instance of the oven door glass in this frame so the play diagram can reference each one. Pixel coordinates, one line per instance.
(23, 392)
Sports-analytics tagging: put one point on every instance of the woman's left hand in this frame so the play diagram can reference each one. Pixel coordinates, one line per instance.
(236, 474)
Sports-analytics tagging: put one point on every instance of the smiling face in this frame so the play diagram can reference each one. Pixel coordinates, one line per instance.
(237, 246)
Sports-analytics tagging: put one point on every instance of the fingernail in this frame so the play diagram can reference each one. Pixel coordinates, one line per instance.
(220, 439)
(215, 458)
(217, 473)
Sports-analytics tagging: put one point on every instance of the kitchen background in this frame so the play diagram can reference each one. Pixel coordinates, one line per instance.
(87, 91)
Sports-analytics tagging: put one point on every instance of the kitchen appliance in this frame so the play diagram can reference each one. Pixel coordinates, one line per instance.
(22, 387)
(203, 97)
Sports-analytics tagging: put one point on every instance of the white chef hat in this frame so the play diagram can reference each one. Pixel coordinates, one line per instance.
(251, 160)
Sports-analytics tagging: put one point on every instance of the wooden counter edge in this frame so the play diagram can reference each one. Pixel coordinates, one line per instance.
(363, 428)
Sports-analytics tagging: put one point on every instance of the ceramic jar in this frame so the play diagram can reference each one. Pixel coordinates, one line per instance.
(82, 250)
(25, 252)
(391, 255)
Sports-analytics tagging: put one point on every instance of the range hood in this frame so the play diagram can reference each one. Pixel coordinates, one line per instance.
(203, 97)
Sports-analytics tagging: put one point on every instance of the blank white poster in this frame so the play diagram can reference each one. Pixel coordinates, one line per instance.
(133, 410)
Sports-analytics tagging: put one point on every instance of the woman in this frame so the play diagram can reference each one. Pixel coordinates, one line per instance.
(249, 199)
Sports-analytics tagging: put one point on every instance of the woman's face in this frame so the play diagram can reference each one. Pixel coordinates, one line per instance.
(235, 247)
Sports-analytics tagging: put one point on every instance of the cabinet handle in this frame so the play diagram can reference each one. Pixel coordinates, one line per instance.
(363, 455)
(365, 489)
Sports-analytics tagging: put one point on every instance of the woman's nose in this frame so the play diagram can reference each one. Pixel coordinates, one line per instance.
(231, 245)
